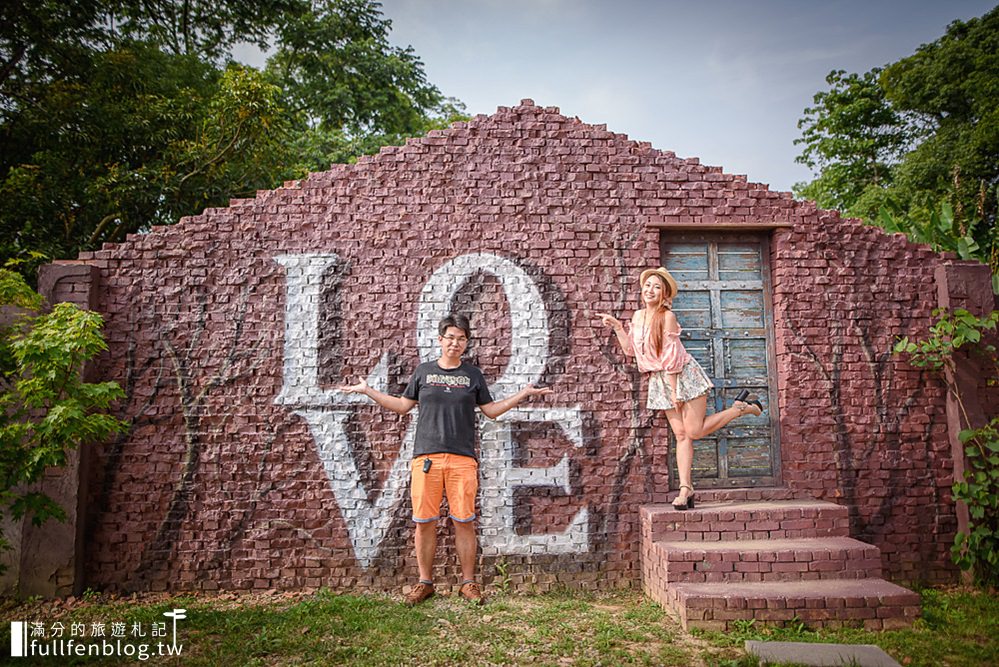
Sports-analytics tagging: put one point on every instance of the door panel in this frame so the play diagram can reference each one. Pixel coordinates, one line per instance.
(741, 308)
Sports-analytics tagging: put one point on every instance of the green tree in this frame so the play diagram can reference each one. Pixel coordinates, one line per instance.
(852, 137)
(913, 136)
(37, 38)
(951, 88)
(129, 114)
(348, 109)
(204, 28)
(148, 138)
(46, 408)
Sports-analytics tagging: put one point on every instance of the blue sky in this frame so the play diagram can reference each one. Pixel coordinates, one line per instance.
(724, 81)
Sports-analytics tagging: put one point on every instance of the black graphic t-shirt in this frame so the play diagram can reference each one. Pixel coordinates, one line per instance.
(447, 399)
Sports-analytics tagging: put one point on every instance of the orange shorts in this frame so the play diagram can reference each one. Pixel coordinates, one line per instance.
(454, 474)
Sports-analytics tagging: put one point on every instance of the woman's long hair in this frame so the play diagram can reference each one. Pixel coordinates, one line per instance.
(658, 323)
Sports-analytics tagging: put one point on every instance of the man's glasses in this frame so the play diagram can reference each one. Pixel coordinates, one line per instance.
(455, 339)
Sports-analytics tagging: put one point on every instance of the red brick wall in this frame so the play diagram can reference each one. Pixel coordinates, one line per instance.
(858, 426)
(221, 482)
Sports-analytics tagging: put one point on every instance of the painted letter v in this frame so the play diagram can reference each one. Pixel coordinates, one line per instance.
(367, 522)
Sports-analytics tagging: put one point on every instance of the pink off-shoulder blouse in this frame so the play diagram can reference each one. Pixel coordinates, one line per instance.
(672, 359)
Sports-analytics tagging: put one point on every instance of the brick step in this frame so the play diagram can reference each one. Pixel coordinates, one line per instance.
(762, 560)
(751, 520)
(874, 604)
(723, 495)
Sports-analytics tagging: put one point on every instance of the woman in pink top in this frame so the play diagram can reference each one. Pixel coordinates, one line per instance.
(677, 383)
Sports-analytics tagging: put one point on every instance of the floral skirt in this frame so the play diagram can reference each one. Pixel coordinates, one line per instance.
(692, 382)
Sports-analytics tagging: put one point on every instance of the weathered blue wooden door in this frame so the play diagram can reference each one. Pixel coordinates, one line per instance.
(724, 309)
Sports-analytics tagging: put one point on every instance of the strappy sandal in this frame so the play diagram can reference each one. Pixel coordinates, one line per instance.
(689, 504)
(744, 398)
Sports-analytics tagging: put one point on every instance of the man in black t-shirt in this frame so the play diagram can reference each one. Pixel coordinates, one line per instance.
(444, 461)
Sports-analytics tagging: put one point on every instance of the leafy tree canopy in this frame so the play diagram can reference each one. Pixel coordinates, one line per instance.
(116, 115)
(915, 145)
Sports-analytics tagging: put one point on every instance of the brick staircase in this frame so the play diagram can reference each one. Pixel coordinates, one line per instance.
(760, 554)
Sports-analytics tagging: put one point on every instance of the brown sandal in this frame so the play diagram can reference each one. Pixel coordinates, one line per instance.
(746, 400)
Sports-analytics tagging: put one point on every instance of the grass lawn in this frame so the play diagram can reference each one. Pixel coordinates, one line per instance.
(958, 627)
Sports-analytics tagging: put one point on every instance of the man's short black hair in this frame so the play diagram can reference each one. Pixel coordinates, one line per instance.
(453, 320)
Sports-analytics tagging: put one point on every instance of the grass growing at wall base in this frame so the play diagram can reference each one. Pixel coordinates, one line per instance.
(959, 628)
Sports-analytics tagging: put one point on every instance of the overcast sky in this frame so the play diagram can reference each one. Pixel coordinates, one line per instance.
(725, 81)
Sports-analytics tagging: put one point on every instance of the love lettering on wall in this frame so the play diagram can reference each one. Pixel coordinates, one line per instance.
(327, 410)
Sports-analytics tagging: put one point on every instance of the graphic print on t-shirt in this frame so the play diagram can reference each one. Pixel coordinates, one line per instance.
(448, 381)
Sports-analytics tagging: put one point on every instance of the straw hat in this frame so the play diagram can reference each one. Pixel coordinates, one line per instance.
(664, 274)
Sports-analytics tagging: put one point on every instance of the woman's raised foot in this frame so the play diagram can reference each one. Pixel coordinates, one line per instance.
(746, 404)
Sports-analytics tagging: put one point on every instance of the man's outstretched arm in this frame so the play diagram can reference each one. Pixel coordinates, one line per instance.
(398, 404)
(496, 408)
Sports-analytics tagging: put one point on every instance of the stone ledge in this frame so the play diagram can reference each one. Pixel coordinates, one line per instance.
(820, 655)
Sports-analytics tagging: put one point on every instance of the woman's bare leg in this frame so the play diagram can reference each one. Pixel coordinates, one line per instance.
(689, 423)
(684, 450)
(712, 423)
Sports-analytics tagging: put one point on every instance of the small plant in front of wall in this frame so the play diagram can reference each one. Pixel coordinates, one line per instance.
(978, 550)
(503, 576)
(47, 408)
